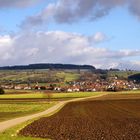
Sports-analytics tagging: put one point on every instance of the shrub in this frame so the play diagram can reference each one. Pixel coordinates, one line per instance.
(1, 91)
(43, 88)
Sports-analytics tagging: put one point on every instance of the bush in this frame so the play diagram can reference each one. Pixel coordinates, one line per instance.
(1, 91)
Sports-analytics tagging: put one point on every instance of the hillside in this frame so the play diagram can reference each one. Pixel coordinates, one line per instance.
(135, 77)
(48, 66)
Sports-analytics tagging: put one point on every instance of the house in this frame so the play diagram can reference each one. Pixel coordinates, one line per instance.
(18, 87)
(27, 88)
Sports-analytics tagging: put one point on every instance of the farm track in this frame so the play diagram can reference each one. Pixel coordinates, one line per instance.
(10, 123)
(110, 117)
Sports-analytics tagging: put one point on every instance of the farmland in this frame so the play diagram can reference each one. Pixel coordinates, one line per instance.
(12, 132)
(121, 74)
(33, 76)
(16, 105)
(39, 95)
(100, 118)
(13, 109)
(46, 76)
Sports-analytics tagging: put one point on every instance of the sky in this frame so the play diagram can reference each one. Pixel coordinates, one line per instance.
(102, 33)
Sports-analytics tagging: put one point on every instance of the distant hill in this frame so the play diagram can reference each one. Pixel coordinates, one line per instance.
(48, 66)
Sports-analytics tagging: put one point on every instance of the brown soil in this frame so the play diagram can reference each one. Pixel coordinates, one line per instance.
(91, 120)
(118, 96)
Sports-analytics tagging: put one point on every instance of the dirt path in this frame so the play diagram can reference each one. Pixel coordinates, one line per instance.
(10, 123)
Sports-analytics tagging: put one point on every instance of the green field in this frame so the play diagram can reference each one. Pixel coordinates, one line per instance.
(32, 76)
(14, 91)
(14, 109)
(53, 95)
(121, 74)
(68, 76)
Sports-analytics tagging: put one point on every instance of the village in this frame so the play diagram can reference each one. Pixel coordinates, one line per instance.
(79, 86)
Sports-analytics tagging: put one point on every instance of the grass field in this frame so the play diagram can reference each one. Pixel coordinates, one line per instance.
(13, 91)
(42, 76)
(68, 76)
(53, 95)
(14, 109)
(122, 74)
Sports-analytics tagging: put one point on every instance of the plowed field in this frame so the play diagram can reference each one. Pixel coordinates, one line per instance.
(91, 120)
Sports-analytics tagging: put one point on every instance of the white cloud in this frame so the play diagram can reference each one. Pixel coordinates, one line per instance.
(60, 47)
(98, 37)
(6, 49)
(128, 52)
(5, 40)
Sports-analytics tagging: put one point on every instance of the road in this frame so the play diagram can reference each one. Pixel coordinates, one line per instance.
(10, 123)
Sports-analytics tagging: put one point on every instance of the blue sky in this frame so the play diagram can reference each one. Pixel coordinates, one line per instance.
(115, 32)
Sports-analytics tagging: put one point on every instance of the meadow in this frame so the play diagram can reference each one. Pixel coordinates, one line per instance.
(121, 74)
(43, 77)
(38, 95)
(14, 109)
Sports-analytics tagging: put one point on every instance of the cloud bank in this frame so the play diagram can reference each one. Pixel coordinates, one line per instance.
(17, 3)
(62, 47)
(70, 11)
